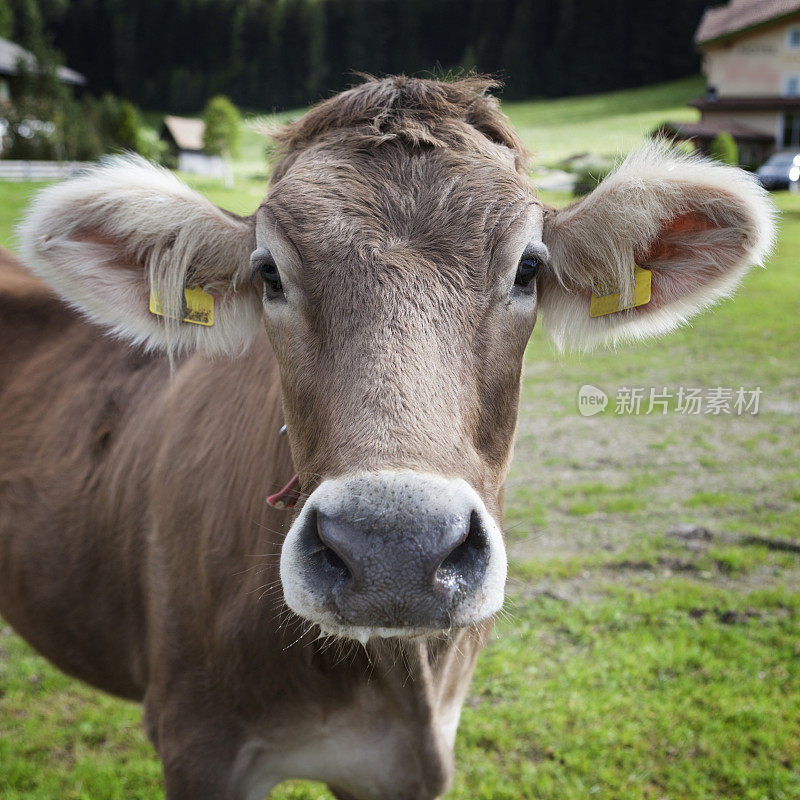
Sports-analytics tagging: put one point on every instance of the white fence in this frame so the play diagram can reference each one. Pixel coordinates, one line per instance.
(39, 170)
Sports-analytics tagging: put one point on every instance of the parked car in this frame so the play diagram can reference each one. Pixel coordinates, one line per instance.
(780, 170)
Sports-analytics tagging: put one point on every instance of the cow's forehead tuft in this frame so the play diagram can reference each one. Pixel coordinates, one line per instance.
(419, 113)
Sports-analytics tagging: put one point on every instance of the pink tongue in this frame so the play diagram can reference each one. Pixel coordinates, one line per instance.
(286, 497)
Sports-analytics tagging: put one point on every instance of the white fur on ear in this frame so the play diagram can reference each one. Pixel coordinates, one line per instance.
(104, 238)
(594, 241)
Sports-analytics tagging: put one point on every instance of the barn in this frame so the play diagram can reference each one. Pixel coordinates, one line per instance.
(184, 136)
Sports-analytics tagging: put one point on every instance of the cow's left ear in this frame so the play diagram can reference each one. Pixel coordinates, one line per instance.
(696, 225)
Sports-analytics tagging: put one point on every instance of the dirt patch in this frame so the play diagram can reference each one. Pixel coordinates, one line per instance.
(783, 545)
(728, 616)
(652, 493)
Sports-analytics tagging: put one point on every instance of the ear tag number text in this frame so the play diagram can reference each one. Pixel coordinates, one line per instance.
(198, 307)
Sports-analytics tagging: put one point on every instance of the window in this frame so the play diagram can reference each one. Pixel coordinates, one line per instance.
(791, 129)
(791, 86)
(793, 39)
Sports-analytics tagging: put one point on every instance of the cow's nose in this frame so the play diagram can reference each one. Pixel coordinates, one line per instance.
(394, 551)
(452, 556)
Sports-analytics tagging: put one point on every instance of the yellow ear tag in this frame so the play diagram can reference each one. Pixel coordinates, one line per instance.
(609, 301)
(199, 306)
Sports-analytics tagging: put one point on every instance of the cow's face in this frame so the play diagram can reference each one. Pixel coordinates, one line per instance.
(398, 263)
(399, 292)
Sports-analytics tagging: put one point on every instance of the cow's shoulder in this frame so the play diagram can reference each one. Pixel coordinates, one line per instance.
(29, 308)
(19, 288)
(31, 314)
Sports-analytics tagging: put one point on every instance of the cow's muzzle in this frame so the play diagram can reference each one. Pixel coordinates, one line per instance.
(393, 554)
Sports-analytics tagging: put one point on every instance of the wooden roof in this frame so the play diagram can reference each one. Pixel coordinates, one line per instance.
(186, 131)
(739, 16)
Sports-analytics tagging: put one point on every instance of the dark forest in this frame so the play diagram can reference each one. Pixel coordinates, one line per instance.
(272, 54)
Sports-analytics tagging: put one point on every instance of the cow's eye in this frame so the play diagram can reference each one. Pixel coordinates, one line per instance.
(527, 270)
(264, 265)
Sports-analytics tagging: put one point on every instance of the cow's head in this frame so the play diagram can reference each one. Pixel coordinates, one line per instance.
(399, 262)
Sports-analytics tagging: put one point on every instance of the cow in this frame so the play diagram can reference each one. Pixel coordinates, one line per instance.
(377, 304)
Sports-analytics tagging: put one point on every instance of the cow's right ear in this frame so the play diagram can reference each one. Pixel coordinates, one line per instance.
(108, 238)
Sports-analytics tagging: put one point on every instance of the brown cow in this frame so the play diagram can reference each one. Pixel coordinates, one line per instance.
(398, 263)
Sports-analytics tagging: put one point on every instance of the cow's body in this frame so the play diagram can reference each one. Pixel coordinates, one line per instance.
(398, 264)
(175, 462)
(58, 483)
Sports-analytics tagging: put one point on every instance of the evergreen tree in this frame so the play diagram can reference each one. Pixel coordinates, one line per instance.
(6, 19)
(522, 52)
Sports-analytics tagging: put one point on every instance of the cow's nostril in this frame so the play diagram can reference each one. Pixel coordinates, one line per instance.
(333, 560)
(467, 561)
(331, 547)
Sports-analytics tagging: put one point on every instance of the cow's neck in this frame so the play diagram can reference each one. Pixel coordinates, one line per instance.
(384, 714)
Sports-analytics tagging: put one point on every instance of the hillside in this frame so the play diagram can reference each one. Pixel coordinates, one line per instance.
(603, 124)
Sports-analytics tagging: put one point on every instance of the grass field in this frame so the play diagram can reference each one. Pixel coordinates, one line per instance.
(602, 124)
(652, 648)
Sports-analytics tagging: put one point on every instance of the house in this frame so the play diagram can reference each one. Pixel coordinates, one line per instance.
(751, 61)
(184, 136)
(11, 55)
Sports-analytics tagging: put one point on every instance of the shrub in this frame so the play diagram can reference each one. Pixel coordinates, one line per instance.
(153, 148)
(76, 132)
(724, 149)
(119, 124)
(27, 136)
(223, 127)
(126, 129)
(46, 122)
(589, 176)
(41, 102)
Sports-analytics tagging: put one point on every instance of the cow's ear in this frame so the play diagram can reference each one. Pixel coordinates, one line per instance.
(695, 225)
(110, 238)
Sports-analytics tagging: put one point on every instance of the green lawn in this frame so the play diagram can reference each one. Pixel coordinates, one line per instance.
(652, 645)
(602, 124)
(13, 198)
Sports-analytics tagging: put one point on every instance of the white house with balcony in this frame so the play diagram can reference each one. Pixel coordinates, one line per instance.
(751, 62)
